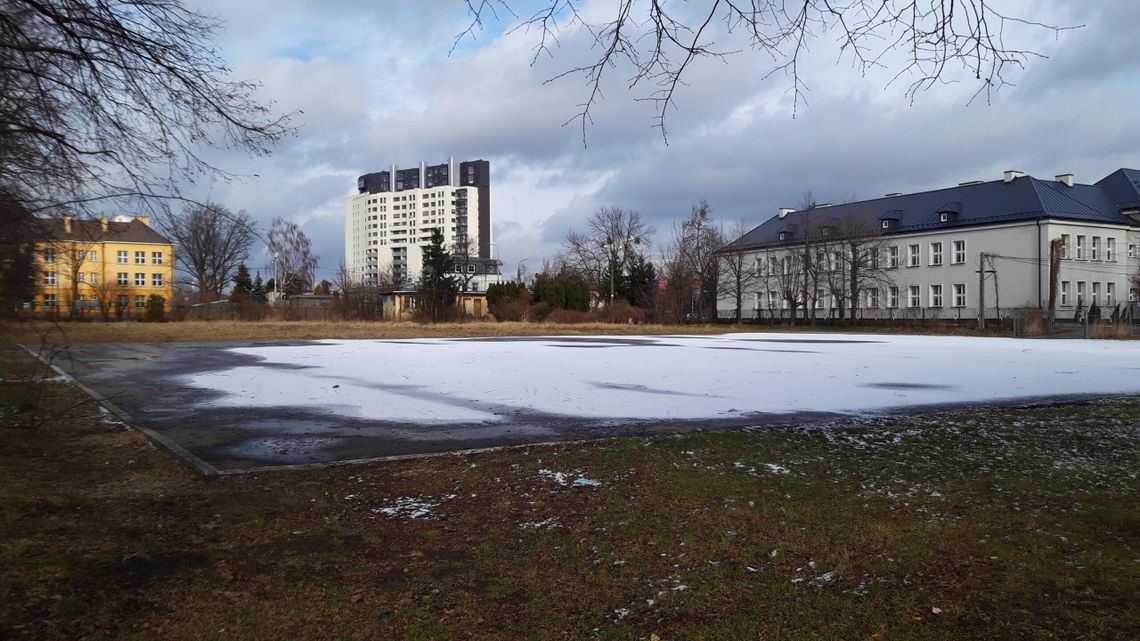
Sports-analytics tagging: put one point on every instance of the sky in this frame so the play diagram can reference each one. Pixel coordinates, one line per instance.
(376, 83)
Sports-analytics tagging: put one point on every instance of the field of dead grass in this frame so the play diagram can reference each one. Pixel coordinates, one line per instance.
(137, 332)
(1015, 523)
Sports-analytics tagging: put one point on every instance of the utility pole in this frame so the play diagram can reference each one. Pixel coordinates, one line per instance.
(982, 271)
(982, 291)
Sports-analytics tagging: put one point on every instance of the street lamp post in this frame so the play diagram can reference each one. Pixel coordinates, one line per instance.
(697, 223)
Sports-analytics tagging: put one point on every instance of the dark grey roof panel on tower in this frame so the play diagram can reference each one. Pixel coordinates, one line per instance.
(984, 203)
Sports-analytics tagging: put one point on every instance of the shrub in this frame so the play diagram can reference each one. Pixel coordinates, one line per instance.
(621, 312)
(155, 309)
(568, 317)
(538, 312)
(508, 301)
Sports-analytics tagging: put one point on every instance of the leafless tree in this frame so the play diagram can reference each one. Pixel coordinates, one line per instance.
(18, 233)
(672, 302)
(854, 259)
(210, 242)
(117, 99)
(738, 273)
(293, 256)
(611, 238)
(656, 43)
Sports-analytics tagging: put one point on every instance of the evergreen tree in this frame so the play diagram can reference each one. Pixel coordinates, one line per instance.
(243, 285)
(437, 288)
(562, 292)
(257, 292)
(638, 282)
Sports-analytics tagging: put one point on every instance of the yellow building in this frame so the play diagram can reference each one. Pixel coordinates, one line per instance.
(101, 268)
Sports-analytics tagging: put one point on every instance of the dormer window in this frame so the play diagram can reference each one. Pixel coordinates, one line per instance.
(783, 235)
(943, 217)
(827, 231)
(886, 224)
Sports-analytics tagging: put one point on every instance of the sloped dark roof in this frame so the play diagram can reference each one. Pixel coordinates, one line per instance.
(985, 203)
(91, 231)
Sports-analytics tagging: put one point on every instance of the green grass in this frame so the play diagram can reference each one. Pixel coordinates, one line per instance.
(1016, 523)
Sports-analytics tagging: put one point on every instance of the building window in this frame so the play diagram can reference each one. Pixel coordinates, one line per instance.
(121, 257)
(49, 278)
(1080, 292)
(893, 256)
(1110, 294)
(819, 299)
(1080, 247)
(959, 294)
(893, 297)
(1064, 293)
(914, 257)
(1132, 251)
(1131, 294)
(1110, 249)
(50, 300)
(1066, 249)
(156, 280)
(1095, 294)
(121, 279)
(140, 280)
(49, 255)
(936, 295)
(771, 300)
(80, 277)
(886, 224)
(94, 278)
(92, 255)
(873, 297)
(140, 301)
(1095, 254)
(122, 301)
(936, 253)
(156, 258)
(140, 258)
(959, 252)
(915, 296)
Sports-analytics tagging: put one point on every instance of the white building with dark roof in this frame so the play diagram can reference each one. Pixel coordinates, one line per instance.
(919, 255)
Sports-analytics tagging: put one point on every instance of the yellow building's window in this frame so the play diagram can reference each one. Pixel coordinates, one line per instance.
(49, 255)
(140, 280)
(121, 279)
(140, 258)
(49, 278)
(121, 257)
(156, 280)
(156, 258)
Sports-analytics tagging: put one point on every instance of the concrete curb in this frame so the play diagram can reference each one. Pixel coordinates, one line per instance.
(158, 440)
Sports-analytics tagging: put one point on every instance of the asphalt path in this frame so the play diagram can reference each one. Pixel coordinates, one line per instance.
(147, 385)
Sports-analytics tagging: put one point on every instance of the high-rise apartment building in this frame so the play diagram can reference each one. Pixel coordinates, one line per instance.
(389, 222)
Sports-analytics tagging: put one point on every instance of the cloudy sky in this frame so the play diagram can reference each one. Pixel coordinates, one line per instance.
(376, 86)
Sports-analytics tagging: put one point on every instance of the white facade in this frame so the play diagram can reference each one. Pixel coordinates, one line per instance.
(933, 272)
(390, 220)
(388, 230)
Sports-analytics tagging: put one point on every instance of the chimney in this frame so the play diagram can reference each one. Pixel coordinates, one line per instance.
(784, 211)
(105, 223)
(144, 220)
(67, 223)
(1066, 179)
(1011, 174)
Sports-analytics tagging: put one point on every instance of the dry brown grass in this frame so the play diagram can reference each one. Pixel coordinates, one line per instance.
(1003, 524)
(1109, 330)
(43, 332)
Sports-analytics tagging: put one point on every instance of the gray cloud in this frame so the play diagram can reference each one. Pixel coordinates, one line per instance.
(376, 87)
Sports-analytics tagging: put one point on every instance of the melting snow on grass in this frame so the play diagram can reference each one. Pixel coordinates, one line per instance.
(428, 381)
